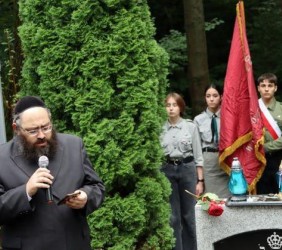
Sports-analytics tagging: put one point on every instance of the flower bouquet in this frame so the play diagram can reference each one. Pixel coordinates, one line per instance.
(209, 202)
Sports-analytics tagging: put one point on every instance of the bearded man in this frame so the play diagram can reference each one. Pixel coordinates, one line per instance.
(28, 220)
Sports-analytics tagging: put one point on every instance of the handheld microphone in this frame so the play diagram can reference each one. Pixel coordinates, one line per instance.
(43, 162)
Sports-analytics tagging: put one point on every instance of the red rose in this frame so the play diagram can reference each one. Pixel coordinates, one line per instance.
(215, 209)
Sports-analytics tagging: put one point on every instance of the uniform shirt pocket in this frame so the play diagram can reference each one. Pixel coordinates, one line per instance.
(167, 148)
(205, 133)
(185, 144)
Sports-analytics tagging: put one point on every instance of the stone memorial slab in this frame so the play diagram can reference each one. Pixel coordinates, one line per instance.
(266, 239)
(249, 225)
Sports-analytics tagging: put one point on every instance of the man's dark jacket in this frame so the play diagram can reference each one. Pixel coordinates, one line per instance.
(35, 224)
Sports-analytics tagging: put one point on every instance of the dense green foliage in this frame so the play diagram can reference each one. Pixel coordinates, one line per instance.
(98, 68)
(266, 37)
(263, 19)
(10, 58)
(175, 45)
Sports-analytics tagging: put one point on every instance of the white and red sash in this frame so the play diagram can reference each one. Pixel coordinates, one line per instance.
(268, 121)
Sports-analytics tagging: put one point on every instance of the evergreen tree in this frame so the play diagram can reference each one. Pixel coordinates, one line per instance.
(266, 37)
(102, 74)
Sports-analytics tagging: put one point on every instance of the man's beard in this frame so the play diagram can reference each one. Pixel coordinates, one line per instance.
(32, 153)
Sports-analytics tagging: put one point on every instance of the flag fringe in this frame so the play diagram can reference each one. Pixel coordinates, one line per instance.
(261, 158)
(231, 149)
(241, 23)
(237, 144)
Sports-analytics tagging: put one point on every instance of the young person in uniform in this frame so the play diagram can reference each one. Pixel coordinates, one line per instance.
(208, 122)
(271, 111)
(183, 167)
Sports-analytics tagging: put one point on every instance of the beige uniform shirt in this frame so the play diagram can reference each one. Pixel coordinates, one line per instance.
(182, 140)
(203, 121)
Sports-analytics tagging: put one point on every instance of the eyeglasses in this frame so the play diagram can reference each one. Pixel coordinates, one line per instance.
(34, 132)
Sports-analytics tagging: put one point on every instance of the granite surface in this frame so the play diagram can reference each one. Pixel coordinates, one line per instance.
(234, 220)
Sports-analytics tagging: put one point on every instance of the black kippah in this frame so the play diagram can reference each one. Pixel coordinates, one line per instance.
(28, 102)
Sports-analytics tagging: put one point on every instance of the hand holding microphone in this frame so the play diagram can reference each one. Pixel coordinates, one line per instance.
(41, 178)
(43, 162)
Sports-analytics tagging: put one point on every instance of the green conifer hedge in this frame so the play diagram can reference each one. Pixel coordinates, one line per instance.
(102, 74)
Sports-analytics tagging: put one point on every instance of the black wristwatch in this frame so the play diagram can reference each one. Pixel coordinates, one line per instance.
(201, 180)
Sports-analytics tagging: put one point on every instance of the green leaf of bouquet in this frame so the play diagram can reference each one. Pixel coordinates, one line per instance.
(205, 206)
(211, 196)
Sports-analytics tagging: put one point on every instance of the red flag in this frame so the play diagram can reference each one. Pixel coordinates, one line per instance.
(241, 127)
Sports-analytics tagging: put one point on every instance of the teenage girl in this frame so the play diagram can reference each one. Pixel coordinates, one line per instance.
(208, 122)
